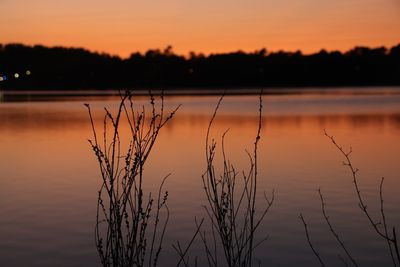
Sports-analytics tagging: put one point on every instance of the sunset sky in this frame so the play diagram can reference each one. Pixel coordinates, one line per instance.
(124, 26)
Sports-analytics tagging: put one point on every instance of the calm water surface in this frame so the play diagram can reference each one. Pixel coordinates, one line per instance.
(49, 177)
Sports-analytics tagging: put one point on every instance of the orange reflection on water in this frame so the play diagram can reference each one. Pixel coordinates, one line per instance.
(49, 176)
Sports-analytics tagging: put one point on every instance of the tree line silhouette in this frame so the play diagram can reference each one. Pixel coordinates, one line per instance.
(55, 68)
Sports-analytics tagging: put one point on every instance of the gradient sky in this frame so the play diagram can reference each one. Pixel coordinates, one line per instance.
(124, 26)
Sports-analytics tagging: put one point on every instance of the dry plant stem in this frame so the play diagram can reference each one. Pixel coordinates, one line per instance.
(390, 245)
(309, 241)
(390, 239)
(211, 253)
(231, 208)
(326, 217)
(124, 211)
(183, 252)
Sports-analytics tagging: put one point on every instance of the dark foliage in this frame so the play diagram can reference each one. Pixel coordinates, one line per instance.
(75, 68)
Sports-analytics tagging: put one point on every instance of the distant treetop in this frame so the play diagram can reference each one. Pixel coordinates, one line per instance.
(55, 68)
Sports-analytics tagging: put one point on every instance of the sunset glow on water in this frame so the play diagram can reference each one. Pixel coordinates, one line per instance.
(49, 175)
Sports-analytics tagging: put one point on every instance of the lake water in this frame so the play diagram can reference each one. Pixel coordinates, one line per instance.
(49, 177)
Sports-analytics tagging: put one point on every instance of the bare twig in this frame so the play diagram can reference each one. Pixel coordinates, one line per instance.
(182, 253)
(391, 240)
(309, 241)
(334, 233)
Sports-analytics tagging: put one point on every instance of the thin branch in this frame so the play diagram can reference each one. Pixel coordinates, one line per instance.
(309, 241)
(334, 233)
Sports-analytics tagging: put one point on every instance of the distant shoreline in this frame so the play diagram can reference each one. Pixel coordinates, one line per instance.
(366, 90)
(37, 67)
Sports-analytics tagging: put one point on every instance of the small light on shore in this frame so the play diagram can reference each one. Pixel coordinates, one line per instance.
(1, 78)
(28, 72)
(16, 75)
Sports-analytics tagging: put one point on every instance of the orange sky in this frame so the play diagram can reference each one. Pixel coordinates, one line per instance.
(124, 26)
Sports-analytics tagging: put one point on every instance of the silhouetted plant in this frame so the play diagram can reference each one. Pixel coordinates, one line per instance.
(232, 204)
(183, 252)
(379, 226)
(316, 253)
(124, 211)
